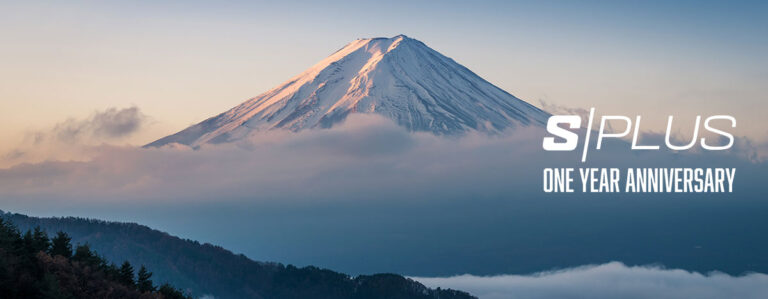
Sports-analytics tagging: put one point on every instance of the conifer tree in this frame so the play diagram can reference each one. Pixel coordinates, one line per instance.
(61, 246)
(126, 274)
(40, 241)
(143, 282)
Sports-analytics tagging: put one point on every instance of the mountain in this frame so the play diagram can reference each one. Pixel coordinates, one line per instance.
(400, 78)
(205, 269)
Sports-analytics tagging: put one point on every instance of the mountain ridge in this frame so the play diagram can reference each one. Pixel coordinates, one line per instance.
(206, 269)
(400, 78)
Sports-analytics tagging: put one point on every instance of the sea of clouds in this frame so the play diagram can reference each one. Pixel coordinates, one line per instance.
(374, 188)
(367, 156)
(610, 280)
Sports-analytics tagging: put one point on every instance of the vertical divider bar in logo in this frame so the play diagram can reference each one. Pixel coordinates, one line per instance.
(589, 130)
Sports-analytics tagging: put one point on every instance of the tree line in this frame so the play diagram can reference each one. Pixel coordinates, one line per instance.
(32, 265)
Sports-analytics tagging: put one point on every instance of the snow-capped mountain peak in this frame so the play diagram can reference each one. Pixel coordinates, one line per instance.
(400, 78)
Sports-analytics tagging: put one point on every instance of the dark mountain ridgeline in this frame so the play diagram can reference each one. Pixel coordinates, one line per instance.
(205, 269)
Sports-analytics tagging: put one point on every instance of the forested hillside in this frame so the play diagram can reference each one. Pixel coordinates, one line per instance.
(204, 269)
(32, 265)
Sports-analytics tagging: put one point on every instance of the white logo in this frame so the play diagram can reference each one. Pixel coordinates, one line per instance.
(571, 139)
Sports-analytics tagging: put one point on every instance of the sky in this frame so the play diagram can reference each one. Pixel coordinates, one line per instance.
(179, 62)
(97, 78)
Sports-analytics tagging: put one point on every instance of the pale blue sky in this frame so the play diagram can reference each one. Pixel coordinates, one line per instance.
(183, 61)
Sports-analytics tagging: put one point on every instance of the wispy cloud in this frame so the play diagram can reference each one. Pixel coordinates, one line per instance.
(108, 124)
(71, 138)
(555, 109)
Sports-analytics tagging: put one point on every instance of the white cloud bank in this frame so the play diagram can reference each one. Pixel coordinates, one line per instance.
(366, 157)
(610, 280)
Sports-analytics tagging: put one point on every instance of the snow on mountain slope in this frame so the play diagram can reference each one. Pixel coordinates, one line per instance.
(400, 78)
